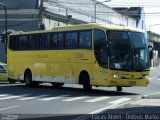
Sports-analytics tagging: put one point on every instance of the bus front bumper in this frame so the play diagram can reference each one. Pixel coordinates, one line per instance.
(129, 82)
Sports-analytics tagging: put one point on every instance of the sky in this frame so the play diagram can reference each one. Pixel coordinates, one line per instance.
(151, 7)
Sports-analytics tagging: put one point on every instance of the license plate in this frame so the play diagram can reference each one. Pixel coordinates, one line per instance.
(132, 83)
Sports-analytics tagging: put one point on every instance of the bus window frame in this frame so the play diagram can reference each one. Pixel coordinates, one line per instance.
(50, 35)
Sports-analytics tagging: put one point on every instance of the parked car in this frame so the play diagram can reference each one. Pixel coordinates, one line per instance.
(3, 72)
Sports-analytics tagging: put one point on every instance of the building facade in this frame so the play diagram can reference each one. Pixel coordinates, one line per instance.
(134, 12)
(23, 15)
(84, 11)
(154, 41)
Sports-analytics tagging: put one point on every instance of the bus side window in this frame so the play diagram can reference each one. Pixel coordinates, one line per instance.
(81, 39)
(18, 43)
(88, 39)
(60, 40)
(45, 41)
(31, 42)
(13, 42)
(54, 41)
(36, 41)
(71, 40)
(74, 39)
(48, 40)
(23, 45)
(85, 38)
(100, 47)
(67, 40)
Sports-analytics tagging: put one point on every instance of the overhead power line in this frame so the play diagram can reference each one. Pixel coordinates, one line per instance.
(76, 6)
(91, 3)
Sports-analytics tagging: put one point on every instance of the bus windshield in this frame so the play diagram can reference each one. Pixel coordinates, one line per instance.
(128, 51)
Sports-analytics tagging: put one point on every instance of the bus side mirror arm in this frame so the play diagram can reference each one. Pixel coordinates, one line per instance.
(150, 48)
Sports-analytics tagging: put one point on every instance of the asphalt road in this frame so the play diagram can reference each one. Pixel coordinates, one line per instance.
(67, 102)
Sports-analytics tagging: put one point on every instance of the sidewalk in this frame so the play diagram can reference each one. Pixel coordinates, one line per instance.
(152, 68)
(147, 108)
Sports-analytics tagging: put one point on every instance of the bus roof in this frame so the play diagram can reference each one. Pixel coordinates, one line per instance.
(82, 26)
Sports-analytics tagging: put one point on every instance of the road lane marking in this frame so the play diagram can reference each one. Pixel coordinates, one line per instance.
(2, 95)
(9, 108)
(10, 97)
(75, 98)
(34, 97)
(87, 116)
(97, 99)
(27, 98)
(102, 109)
(125, 101)
(121, 100)
(53, 98)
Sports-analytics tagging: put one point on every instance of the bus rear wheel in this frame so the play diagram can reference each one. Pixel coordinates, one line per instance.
(28, 79)
(119, 89)
(85, 81)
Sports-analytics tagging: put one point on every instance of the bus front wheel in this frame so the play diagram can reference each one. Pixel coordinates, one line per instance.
(28, 78)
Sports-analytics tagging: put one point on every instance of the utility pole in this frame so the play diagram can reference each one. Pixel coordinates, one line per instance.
(41, 8)
(6, 35)
(95, 8)
(41, 11)
(5, 9)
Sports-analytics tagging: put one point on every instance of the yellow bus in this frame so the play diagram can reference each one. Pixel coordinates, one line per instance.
(90, 55)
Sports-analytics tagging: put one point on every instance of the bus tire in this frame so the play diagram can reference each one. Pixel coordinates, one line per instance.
(85, 81)
(55, 84)
(28, 78)
(119, 89)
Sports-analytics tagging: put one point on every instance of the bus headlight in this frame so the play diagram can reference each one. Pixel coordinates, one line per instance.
(115, 76)
(145, 77)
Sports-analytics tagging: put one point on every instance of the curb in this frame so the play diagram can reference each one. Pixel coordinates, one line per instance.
(151, 96)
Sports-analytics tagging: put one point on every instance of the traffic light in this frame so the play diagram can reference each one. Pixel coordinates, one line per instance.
(3, 38)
